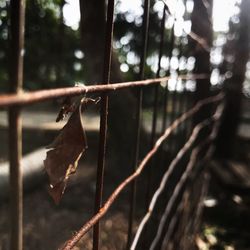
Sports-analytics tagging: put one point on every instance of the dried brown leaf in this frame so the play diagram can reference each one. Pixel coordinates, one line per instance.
(66, 150)
(67, 107)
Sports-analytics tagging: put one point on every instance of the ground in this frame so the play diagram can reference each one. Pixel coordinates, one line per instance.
(226, 224)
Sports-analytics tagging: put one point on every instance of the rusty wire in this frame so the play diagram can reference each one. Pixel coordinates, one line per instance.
(163, 183)
(174, 218)
(19, 99)
(178, 187)
(169, 171)
(186, 213)
(89, 224)
(172, 222)
(189, 168)
(25, 98)
(166, 96)
(17, 20)
(191, 227)
(138, 112)
(103, 120)
(155, 105)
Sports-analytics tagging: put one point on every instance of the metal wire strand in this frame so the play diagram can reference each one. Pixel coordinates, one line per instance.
(89, 224)
(17, 20)
(186, 231)
(186, 173)
(103, 120)
(139, 95)
(167, 174)
(25, 98)
(174, 220)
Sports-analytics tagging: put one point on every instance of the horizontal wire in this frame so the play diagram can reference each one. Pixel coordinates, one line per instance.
(166, 176)
(25, 98)
(185, 175)
(89, 224)
(163, 182)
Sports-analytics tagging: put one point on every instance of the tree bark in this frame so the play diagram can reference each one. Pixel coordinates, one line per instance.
(92, 25)
(202, 27)
(233, 86)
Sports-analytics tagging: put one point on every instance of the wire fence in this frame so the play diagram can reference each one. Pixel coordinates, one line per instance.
(187, 133)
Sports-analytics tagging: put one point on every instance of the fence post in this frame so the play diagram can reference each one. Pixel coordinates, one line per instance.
(233, 87)
(17, 9)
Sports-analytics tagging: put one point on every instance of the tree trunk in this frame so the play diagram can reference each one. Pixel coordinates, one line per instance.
(233, 86)
(121, 121)
(202, 27)
(92, 27)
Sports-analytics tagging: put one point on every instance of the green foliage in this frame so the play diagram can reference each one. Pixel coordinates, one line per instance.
(50, 46)
(52, 49)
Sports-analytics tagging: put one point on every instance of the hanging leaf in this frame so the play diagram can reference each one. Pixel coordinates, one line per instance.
(66, 150)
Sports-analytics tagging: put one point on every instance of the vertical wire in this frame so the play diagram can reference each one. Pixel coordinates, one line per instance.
(17, 19)
(156, 88)
(174, 110)
(185, 91)
(139, 95)
(166, 92)
(155, 108)
(177, 107)
(155, 116)
(103, 120)
(166, 99)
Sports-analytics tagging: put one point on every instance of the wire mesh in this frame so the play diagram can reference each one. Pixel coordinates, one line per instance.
(175, 122)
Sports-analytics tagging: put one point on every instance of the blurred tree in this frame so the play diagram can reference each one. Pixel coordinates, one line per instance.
(53, 50)
(50, 46)
(202, 27)
(56, 55)
(236, 55)
(127, 44)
